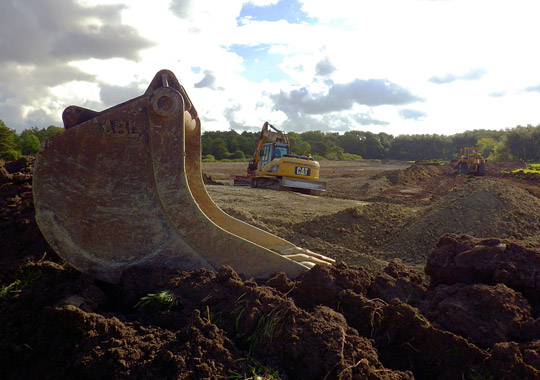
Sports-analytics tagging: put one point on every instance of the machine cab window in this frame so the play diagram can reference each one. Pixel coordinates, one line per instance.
(280, 150)
(271, 151)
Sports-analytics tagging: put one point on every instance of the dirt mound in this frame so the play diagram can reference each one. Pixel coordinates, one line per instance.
(330, 323)
(359, 228)
(463, 259)
(417, 172)
(20, 238)
(481, 208)
(353, 234)
(474, 279)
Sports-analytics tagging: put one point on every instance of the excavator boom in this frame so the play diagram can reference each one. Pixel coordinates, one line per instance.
(123, 187)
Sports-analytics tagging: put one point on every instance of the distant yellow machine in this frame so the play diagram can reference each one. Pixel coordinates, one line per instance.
(471, 161)
(274, 167)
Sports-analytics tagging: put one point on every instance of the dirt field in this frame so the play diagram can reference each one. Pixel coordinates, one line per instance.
(438, 277)
(374, 211)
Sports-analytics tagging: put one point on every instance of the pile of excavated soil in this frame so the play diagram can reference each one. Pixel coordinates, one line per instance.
(413, 174)
(481, 208)
(332, 322)
(335, 322)
(361, 230)
(20, 238)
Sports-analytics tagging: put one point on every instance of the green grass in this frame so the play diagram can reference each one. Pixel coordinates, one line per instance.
(264, 332)
(8, 290)
(254, 370)
(214, 318)
(532, 168)
(31, 273)
(430, 161)
(526, 173)
(163, 298)
(351, 157)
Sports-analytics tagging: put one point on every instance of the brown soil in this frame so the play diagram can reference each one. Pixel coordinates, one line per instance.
(473, 314)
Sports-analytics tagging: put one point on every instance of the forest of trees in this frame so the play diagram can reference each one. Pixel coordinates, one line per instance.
(504, 145)
(511, 144)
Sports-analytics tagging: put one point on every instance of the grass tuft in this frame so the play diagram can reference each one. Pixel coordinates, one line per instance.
(163, 298)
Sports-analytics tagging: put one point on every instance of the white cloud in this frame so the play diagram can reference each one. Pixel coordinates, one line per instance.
(473, 74)
(370, 64)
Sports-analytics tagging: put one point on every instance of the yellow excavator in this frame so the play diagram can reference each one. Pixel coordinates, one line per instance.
(123, 187)
(274, 167)
(471, 161)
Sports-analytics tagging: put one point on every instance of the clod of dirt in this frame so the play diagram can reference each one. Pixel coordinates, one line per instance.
(484, 314)
(482, 208)
(325, 285)
(464, 259)
(510, 363)
(406, 339)
(399, 281)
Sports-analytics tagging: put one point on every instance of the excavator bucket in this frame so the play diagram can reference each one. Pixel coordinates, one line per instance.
(123, 187)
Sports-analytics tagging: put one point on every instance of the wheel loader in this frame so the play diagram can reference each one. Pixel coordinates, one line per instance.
(471, 161)
(274, 167)
(123, 187)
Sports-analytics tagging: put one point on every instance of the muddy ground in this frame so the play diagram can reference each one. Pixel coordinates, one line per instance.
(437, 278)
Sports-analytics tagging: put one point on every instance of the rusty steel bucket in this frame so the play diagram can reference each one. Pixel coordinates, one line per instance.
(123, 187)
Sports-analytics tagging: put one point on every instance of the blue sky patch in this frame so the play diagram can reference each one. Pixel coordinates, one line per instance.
(259, 63)
(288, 10)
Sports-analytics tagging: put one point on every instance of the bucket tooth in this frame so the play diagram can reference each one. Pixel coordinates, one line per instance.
(123, 187)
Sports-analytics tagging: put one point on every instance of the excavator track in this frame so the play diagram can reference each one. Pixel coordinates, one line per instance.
(123, 187)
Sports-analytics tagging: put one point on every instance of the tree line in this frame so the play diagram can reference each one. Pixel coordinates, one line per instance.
(14, 145)
(521, 142)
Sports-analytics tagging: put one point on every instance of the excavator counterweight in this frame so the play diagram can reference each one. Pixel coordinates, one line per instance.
(123, 187)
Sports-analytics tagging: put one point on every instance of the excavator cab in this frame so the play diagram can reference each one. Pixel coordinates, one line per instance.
(272, 150)
(123, 187)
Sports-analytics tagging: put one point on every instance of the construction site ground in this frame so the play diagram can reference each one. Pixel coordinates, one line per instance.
(377, 210)
(437, 277)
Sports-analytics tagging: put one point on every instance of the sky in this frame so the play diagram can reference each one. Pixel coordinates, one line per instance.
(393, 66)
